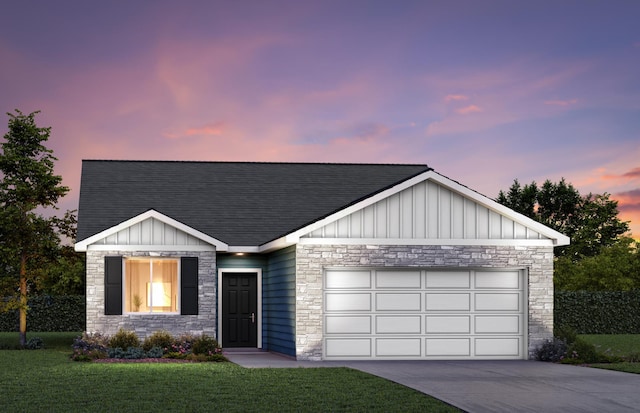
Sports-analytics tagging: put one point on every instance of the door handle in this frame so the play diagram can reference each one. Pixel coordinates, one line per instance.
(253, 317)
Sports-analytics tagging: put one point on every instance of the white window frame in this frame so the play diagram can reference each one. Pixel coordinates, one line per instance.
(151, 259)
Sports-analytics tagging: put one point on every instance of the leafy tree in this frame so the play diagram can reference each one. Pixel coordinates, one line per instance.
(615, 268)
(64, 272)
(590, 221)
(28, 183)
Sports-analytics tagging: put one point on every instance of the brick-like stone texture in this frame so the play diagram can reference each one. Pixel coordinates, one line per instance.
(146, 324)
(312, 259)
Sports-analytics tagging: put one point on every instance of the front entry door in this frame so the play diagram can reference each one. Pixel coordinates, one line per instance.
(239, 309)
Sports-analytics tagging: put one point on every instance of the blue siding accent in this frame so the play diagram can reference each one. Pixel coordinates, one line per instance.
(278, 295)
(279, 302)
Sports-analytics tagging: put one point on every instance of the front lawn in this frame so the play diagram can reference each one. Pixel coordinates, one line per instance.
(625, 346)
(46, 380)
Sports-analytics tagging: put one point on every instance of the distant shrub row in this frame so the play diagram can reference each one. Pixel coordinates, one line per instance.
(49, 313)
(598, 312)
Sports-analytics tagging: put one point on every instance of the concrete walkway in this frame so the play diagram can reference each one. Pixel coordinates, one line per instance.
(491, 386)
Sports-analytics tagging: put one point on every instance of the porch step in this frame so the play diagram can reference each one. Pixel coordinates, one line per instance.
(242, 350)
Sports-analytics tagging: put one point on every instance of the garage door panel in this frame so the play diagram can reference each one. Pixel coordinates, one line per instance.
(448, 324)
(347, 279)
(497, 302)
(352, 347)
(497, 346)
(398, 302)
(398, 279)
(398, 347)
(498, 280)
(348, 324)
(448, 279)
(448, 347)
(398, 324)
(497, 324)
(348, 302)
(448, 302)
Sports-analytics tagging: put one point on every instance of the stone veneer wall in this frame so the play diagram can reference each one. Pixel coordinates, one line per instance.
(146, 324)
(312, 259)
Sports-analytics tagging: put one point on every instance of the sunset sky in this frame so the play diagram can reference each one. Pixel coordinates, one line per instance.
(482, 91)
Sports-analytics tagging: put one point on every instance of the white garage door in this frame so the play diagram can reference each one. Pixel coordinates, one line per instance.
(424, 314)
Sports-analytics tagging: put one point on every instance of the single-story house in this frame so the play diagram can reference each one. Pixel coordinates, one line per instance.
(316, 261)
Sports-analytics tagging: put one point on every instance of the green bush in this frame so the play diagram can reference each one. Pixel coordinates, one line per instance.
(49, 313)
(90, 346)
(161, 339)
(206, 345)
(598, 312)
(124, 339)
(552, 350)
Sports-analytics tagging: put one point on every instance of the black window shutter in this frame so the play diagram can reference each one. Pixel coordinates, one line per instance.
(189, 285)
(113, 285)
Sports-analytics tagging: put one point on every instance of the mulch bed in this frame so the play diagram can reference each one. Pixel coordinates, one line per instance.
(147, 360)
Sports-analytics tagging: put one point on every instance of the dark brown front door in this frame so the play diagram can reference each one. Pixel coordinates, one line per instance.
(239, 309)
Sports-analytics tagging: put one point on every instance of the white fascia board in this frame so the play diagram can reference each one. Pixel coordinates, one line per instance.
(556, 237)
(406, 241)
(82, 245)
(150, 247)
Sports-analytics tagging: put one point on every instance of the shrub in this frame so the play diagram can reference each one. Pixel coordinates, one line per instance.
(134, 353)
(182, 345)
(90, 346)
(155, 352)
(124, 339)
(581, 352)
(206, 345)
(161, 339)
(49, 313)
(35, 343)
(552, 350)
(599, 312)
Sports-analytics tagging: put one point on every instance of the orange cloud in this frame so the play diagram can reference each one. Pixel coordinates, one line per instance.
(627, 176)
(561, 102)
(469, 109)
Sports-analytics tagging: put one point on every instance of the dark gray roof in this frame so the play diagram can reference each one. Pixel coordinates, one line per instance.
(239, 203)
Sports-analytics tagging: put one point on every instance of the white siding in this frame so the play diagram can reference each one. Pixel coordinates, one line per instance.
(150, 232)
(426, 210)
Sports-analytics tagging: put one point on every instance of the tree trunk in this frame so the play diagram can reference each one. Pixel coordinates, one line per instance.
(23, 301)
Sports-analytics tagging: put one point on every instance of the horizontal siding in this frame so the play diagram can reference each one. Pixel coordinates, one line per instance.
(279, 301)
(150, 232)
(426, 211)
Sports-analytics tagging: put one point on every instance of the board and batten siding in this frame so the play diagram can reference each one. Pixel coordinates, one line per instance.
(426, 210)
(150, 232)
(279, 302)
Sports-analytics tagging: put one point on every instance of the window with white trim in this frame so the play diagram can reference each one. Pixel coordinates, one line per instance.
(151, 285)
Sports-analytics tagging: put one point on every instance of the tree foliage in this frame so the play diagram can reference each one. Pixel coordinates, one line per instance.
(600, 256)
(590, 221)
(615, 268)
(28, 240)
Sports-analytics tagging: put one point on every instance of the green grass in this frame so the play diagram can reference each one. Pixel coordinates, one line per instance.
(46, 380)
(61, 341)
(625, 346)
(620, 345)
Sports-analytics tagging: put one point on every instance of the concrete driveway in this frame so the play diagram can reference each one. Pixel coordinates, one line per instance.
(514, 386)
(493, 386)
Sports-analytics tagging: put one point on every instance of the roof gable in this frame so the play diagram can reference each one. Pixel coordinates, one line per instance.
(430, 208)
(234, 203)
(151, 228)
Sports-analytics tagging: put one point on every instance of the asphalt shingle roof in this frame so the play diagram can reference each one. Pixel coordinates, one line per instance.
(239, 203)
